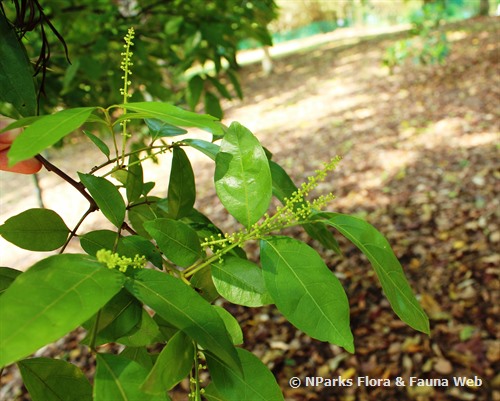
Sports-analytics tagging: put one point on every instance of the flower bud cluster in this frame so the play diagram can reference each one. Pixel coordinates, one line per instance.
(121, 263)
(126, 63)
(295, 210)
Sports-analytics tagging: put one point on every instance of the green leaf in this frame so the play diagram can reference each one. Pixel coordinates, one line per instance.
(185, 309)
(195, 88)
(236, 83)
(283, 186)
(242, 176)
(119, 379)
(117, 318)
(22, 122)
(46, 131)
(202, 281)
(181, 188)
(320, 233)
(145, 210)
(145, 332)
(136, 245)
(161, 129)
(386, 266)
(53, 297)
(94, 241)
(177, 240)
(306, 291)
(7, 277)
(107, 197)
(135, 179)
(98, 142)
(212, 105)
(256, 384)
(208, 148)
(172, 115)
(173, 364)
(220, 88)
(54, 380)
(36, 230)
(232, 325)
(139, 355)
(17, 86)
(211, 393)
(240, 282)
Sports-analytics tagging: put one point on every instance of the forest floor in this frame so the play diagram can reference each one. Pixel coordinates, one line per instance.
(420, 153)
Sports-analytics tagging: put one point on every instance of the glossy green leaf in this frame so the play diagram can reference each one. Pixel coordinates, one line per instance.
(202, 281)
(320, 233)
(145, 332)
(185, 309)
(118, 317)
(119, 379)
(242, 176)
(139, 355)
(46, 131)
(173, 364)
(98, 142)
(161, 129)
(22, 122)
(35, 230)
(17, 86)
(181, 187)
(211, 393)
(54, 380)
(50, 299)
(7, 277)
(208, 148)
(135, 179)
(212, 105)
(195, 88)
(172, 115)
(256, 384)
(145, 210)
(240, 282)
(386, 265)
(94, 241)
(283, 186)
(107, 197)
(306, 291)
(232, 325)
(177, 240)
(136, 245)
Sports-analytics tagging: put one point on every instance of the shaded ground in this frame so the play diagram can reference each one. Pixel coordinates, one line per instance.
(421, 163)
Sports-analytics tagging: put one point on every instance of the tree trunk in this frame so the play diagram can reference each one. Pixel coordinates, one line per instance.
(484, 7)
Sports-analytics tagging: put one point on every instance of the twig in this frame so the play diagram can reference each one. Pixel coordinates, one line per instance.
(77, 185)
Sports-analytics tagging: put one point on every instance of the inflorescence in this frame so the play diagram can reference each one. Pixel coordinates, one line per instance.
(121, 263)
(126, 64)
(295, 210)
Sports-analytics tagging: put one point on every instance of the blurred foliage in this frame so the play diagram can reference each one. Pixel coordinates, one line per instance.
(172, 37)
(428, 45)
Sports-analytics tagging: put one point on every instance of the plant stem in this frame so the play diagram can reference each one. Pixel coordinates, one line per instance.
(77, 185)
(73, 232)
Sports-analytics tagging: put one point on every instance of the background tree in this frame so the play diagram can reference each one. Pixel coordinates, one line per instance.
(172, 37)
